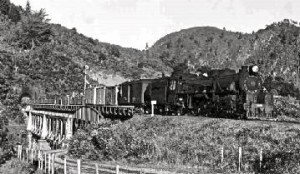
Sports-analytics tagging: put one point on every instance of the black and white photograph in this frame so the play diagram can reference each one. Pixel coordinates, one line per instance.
(149, 87)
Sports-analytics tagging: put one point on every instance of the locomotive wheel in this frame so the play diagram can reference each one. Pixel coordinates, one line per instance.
(147, 110)
(180, 112)
(247, 115)
(142, 110)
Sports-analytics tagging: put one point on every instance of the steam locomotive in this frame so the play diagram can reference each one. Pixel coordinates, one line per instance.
(214, 93)
(218, 93)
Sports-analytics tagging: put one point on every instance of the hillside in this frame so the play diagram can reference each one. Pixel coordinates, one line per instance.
(202, 46)
(276, 49)
(51, 58)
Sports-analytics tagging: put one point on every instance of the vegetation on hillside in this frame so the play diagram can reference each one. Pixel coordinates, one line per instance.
(192, 142)
(275, 49)
(48, 59)
(14, 166)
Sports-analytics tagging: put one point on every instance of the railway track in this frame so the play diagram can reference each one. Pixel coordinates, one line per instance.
(270, 121)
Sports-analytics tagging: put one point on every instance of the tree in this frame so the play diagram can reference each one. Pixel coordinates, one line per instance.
(34, 30)
(28, 8)
(4, 6)
(115, 51)
(101, 57)
(14, 13)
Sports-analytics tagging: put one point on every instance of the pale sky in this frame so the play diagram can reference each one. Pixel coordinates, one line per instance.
(132, 23)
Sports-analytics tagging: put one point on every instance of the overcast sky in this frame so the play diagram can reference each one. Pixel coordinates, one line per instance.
(132, 23)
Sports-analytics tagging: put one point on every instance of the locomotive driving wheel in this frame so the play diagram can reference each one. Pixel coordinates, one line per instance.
(180, 111)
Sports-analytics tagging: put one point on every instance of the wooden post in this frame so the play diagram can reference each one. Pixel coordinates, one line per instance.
(97, 169)
(45, 163)
(117, 169)
(23, 153)
(42, 161)
(78, 167)
(38, 159)
(260, 159)
(27, 154)
(222, 154)
(34, 155)
(53, 161)
(31, 150)
(49, 163)
(65, 165)
(18, 149)
(20, 152)
(153, 102)
(240, 158)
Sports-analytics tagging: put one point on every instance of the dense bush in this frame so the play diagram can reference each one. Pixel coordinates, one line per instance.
(16, 166)
(192, 142)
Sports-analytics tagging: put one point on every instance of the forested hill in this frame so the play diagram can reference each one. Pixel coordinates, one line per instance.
(276, 49)
(51, 58)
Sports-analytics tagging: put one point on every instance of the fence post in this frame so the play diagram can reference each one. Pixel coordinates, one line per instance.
(27, 154)
(20, 151)
(260, 159)
(222, 154)
(31, 154)
(23, 154)
(38, 159)
(45, 162)
(117, 169)
(49, 163)
(53, 161)
(35, 154)
(65, 165)
(42, 160)
(153, 102)
(240, 158)
(97, 169)
(78, 167)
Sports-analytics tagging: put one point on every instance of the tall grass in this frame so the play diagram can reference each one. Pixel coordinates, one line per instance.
(194, 142)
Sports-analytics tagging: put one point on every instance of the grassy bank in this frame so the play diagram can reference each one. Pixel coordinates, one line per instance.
(193, 142)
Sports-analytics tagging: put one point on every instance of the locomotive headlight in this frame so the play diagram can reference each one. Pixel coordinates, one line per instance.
(255, 68)
(180, 99)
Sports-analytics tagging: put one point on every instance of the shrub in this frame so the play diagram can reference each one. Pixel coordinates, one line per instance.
(16, 166)
(197, 142)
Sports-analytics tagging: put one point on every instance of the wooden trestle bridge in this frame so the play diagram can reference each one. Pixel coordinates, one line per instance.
(49, 125)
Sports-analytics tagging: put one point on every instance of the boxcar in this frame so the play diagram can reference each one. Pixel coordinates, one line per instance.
(133, 92)
(110, 95)
(100, 95)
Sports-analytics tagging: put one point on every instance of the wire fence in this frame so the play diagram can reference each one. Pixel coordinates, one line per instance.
(55, 162)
